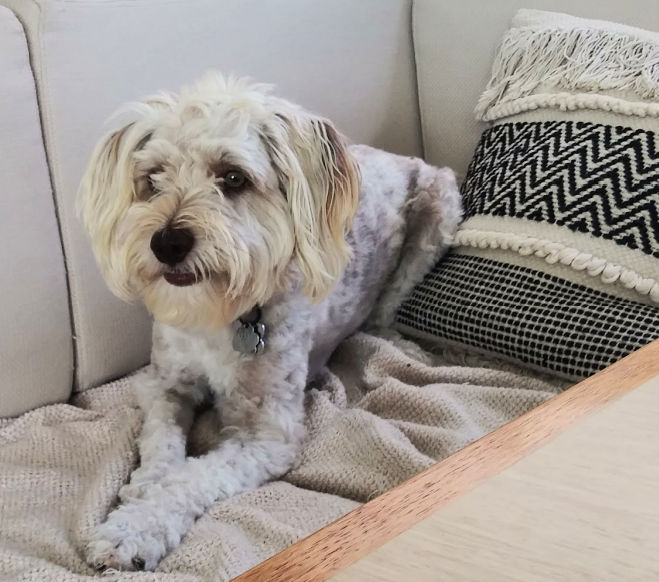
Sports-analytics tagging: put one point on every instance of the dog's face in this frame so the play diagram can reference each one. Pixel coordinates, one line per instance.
(202, 204)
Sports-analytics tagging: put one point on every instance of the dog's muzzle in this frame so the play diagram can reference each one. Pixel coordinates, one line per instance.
(170, 246)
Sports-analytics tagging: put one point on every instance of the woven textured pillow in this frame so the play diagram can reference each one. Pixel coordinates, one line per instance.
(557, 263)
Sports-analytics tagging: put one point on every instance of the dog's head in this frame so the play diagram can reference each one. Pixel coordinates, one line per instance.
(200, 206)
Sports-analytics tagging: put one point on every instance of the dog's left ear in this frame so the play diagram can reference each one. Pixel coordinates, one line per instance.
(106, 192)
(321, 182)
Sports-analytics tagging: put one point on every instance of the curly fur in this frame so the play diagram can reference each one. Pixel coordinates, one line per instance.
(324, 237)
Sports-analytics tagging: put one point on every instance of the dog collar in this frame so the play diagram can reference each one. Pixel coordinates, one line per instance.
(249, 338)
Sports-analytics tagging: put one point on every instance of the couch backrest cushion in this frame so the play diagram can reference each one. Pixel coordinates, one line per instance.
(36, 355)
(455, 43)
(351, 61)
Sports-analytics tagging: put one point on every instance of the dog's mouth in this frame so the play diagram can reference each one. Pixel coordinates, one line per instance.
(181, 279)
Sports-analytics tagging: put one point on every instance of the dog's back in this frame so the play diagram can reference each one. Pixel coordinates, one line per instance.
(407, 214)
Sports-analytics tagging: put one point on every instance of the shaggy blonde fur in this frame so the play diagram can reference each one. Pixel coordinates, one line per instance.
(245, 245)
(277, 212)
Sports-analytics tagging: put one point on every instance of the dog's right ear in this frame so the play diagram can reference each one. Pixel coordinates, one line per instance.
(106, 192)
(320, 180)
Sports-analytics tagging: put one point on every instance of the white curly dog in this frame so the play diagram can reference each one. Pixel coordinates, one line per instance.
(258, 240)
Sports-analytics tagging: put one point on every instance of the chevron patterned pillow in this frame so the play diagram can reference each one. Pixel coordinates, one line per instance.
(557, 263)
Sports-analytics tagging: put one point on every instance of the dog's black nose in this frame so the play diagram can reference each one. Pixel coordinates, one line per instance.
(172, 245)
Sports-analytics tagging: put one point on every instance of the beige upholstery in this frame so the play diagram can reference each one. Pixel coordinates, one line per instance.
(454, 47)
(36, 360)
(351, 61)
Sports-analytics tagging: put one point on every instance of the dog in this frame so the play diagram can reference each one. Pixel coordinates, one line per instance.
(258, 240)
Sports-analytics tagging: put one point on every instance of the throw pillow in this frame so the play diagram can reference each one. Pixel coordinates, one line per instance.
(556, 265)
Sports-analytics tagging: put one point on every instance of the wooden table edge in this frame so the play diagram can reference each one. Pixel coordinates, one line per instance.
(344, 541)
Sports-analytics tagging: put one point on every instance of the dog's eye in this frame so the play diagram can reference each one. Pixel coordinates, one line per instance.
(150, 188)
(234, 179)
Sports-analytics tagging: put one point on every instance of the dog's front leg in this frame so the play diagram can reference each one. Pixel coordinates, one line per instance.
(168, 401)
(263, 418)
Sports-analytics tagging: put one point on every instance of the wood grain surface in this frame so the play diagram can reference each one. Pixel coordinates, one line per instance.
(344, 541)
(583, 507)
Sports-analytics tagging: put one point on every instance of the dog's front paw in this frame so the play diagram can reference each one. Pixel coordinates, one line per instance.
(136, 536)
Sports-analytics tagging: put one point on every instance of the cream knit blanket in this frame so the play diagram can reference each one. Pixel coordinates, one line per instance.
(384, 412)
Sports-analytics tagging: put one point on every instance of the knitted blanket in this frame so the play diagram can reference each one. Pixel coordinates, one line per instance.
(383, 411)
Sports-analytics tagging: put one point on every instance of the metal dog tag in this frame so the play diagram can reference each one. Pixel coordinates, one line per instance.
(249, 338)
(246, 339)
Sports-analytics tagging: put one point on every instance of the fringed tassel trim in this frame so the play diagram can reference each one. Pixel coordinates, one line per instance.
(545, 68)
